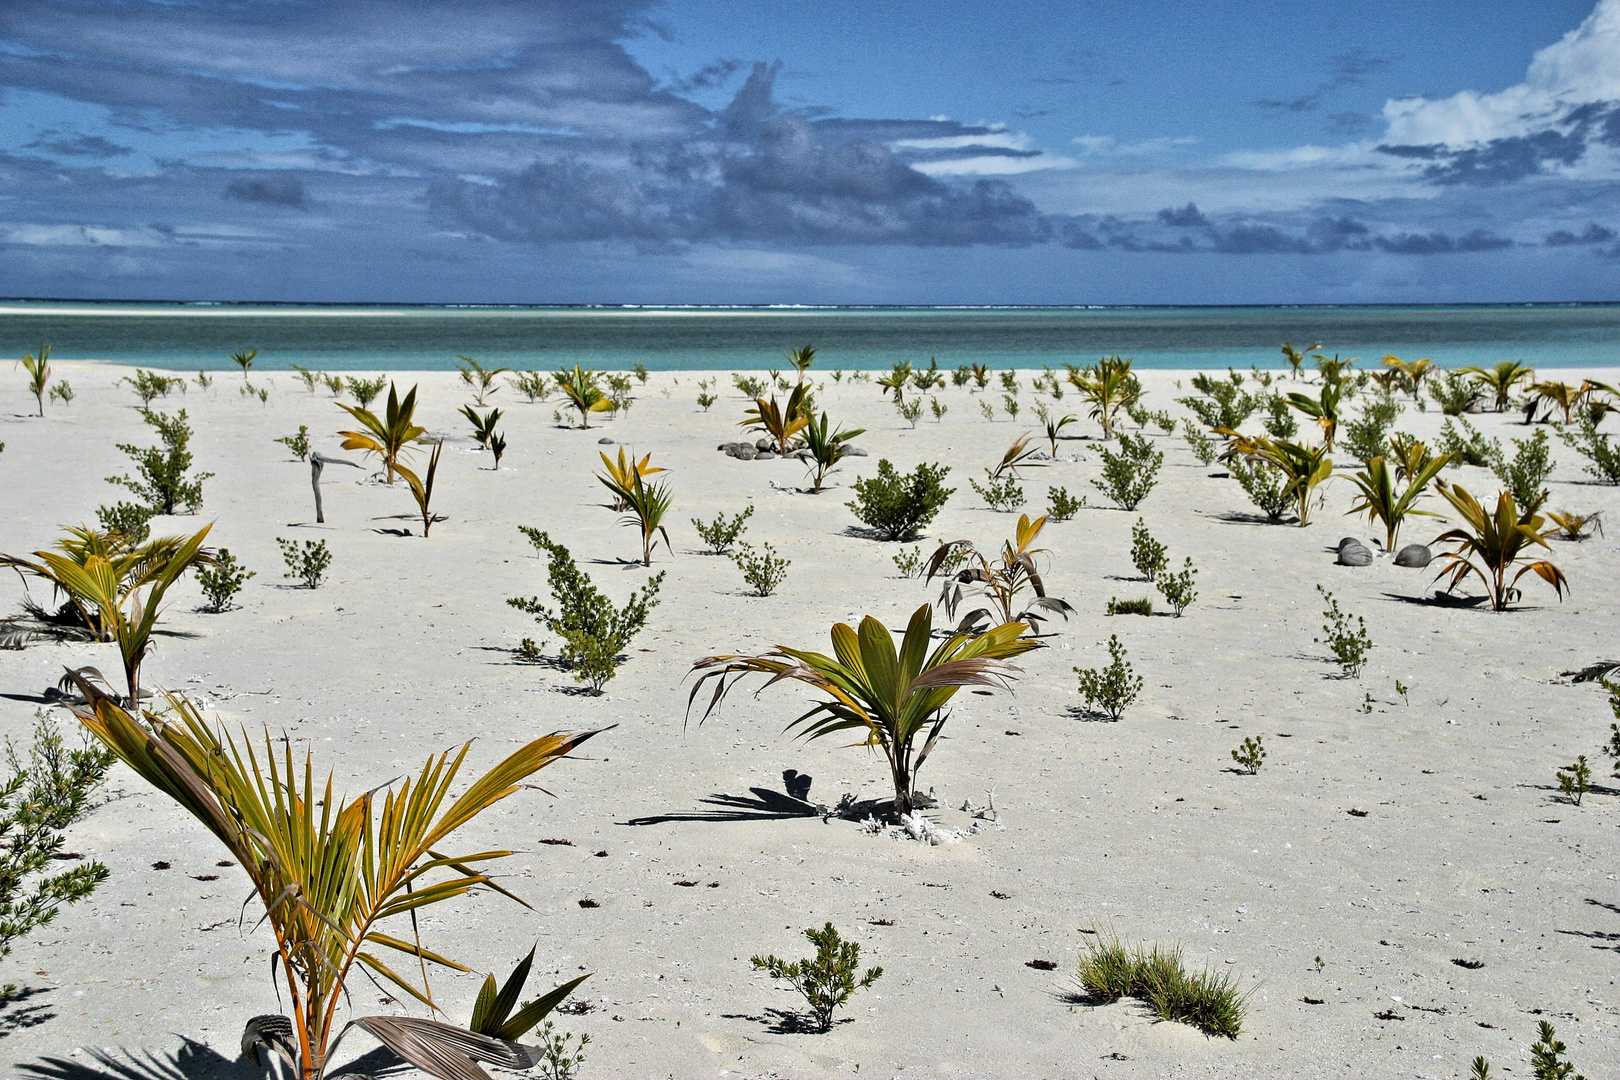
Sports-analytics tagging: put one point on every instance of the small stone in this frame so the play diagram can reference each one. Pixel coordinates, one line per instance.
(1353, 552)
(763, 444)
(854, 451)
(764, 455)
(604, 441)
(1415, 555)
(745, 452)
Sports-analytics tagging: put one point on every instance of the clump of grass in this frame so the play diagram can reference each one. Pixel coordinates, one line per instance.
(1112, 689)
(1117, 606)
(1573, 785)
(1251, 754)
(1208, 1000)
(720, 534)
(223, 580)
(1061, 505)
(1348, 644)
(1129, 475)
(762, 570)
(828, 979)
(307, 563)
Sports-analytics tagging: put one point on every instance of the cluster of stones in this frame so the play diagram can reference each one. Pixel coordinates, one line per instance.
(1353, 552)
(765, 450)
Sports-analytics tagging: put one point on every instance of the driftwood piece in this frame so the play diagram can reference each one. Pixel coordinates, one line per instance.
(317, 462)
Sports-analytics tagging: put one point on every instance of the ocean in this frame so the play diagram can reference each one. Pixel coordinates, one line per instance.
(338, 338)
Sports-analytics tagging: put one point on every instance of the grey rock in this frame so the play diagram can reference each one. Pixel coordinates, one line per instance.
(1353, 552)
(726, 447)
(1415, 555)
(764, 455)
(854, 451)
(604, 441)
(745, 452)
(763, 444)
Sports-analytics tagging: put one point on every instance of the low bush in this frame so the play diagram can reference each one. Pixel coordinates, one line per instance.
(897, 505)
(1225, 403)
(1203, 447)
(1455, 392)
(1251, 754)
(223, 580)
(1525, 475)
(1367, 436)
(1129, 475)
(1061, 505)
(1177, 589)
(1004, 495)
(1574, 784)
(365, 391)
(1603, 456)
(298, 444)
(164, 484)
(1265, 485)
(909, 561)
(1280, 422)
(763, 570)
(1147, 554)
(750, 386)
(1466, 445)
(720, 534)
(910, 411)
(1348, 644)
(307, 563)
(595, 633)
(828, 979)
(1113, 689)
(1209, 1000)
(130, 520)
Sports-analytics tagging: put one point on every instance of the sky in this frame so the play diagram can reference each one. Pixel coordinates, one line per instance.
(698, 152)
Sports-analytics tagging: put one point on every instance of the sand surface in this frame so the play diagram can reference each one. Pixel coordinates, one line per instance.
(1464, 853)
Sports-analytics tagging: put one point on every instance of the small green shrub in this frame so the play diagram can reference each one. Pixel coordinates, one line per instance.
(641, 373)
(961, 375)
(1004, 495)
(1112, 689)
(826, 980)
(1525, 476)
(1203, 447)
(909, 561)
(1224, 404)
(1455, 392)
(720, 534)
(1117, 606)
(1129, 475)
(298, 444)
(1466, 445)
(307, 563)
(204, 380)
(64, 393)
(164, 484)
(595, 632)
(42, 796)
(1595, 448)
(1147, 554)
(533, 385)
(562, 1062)
(1280, 422)
(910, 410)
(1577, 782)
(898, 506)
(131, 520)
(1209, 1001)
(1251, 754)
(1009, 381)
(1061, 505)
(1265, 485)
(223, 580)
(1547, 1061)
(1367, 436)
(1177, 589)
(1009, 404)
(706, 399)
(750, 386)
(1349, 645)
(149, 384)
(762, 570)
(365, 391)
(938, 408)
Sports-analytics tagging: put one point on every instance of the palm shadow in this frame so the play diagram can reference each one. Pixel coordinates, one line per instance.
(193, 1061)
(1239, 517)
(766, 805)
(27, 1016)
(1440, 600)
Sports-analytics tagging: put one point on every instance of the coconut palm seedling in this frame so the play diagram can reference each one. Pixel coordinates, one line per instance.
(1410, 373)
(1303, 468)
(828, 979)
(389, 436)
(584, 393)
(38, 366)
(334, 874)
(1110, 690)
(893, 697)
(1376, 496)
(1491, 545)
(364, 391)
(483, 426)
(1604, 457)
(1001, 581)
(1500, 379)
(422, 488)
(492, 1013)
(164, 484)
(1130, 474)
(720, 534)
(781, 423)
(1575, 526)
(1555, 395)
(827, 445)
(624, 472)
(595, 633)
(1295, 357)
(1054, 429)
(1324, 408)
(896, 380)
(801, 359)
(243, 358)
(899, 506)
(497, 447)
(1348, 644)
(479, 379)
(646, 505)
(1107, 387)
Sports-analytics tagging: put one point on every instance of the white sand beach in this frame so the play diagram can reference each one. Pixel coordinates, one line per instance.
(1344, 929)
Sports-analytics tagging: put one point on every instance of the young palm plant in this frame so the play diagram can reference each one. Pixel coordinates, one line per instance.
(243, 358)
(1377, 497)
(1001, 581)
(827, 448)
(479, 379)
(782, 424)
(1490, 545)
(1295, 357)
(38, 366)
(583, 393)
(389, 437)
(1108, 387)
(647, 504)
(801, 359)
(893, 698)
(1302, 467)
(483, 426)
(1324, 408)
(332, 872)
(1411, 373)
(422, 489)
(1501, 378)
(623, 474)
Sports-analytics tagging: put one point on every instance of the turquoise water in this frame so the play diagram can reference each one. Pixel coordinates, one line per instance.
(192, 336)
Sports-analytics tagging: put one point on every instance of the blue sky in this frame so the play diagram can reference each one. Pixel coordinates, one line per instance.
(835, 152)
